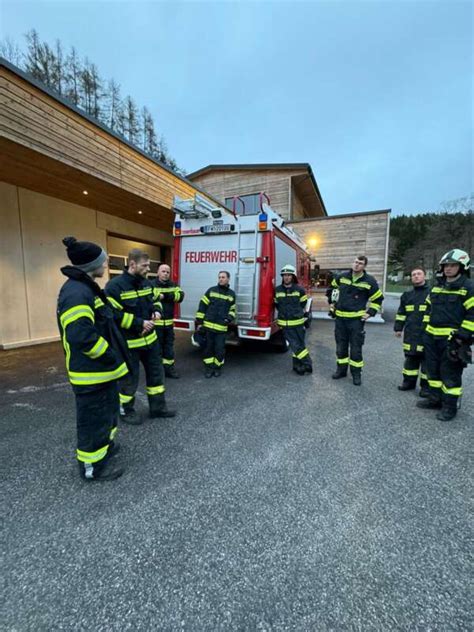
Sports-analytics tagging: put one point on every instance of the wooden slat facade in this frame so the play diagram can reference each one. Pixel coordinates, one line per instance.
(51, 148)
(336, 241)
(281, 185)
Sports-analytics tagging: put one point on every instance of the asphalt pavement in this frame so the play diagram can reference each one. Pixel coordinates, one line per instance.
(271, 502)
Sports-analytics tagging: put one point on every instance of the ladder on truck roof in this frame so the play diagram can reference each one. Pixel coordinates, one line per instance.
(197, 207)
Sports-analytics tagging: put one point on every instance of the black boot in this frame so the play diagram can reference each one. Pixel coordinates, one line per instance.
(308, 368)
(163, 411)
(129, 416)
(99, 474)
(113, 450)
(171, 372)
(357, 378)
(407, 386)
(424, 391)
(429, 403)
(339, 373)
(208, 371)
(447, 413)
(217, 371)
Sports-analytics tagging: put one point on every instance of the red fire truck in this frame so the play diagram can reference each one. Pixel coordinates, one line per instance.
(251, 247)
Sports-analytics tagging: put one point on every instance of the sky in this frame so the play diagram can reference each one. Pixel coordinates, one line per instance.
(375, 95)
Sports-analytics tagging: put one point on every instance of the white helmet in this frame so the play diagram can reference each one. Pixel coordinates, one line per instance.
(456, 256)
(288, 269)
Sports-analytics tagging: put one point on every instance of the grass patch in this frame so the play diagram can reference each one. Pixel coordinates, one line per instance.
(397, 287)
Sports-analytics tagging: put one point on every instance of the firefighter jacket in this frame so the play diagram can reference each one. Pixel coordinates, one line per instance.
(290, 302)
(450, 308)
(409, 318)
(217, 308)
(172, 294)
(95, 350)
(136, 298)
(356, 296)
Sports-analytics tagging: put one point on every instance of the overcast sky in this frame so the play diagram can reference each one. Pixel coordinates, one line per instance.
(375, 95)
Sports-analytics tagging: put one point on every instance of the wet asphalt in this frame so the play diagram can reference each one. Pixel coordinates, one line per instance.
(271, 502)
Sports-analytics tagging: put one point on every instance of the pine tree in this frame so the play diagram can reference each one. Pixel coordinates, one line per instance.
(113, 113)
(73, 70)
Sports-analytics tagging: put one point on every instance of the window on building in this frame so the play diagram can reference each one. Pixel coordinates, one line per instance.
(322, 278)
(252, 204)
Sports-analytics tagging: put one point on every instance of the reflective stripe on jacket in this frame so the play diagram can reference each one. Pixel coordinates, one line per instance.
(89, 333)
(290, 303)
(356, 296)
(217, 308)
(136, 297)
(172, 294)
(409, 318)
(450, 307)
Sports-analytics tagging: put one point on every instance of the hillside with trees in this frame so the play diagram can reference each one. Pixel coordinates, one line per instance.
(78, 81)
(422, 239)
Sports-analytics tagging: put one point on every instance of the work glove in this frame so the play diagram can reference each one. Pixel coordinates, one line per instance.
(459, 350)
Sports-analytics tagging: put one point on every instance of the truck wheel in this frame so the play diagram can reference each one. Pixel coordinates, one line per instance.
(279, 343)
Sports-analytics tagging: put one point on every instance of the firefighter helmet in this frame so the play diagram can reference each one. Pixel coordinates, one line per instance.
(456, 256)
(288, 269)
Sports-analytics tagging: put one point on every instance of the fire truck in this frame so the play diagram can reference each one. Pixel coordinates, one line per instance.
(251, 247)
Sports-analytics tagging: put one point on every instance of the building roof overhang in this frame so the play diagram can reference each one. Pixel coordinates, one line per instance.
(304, 180)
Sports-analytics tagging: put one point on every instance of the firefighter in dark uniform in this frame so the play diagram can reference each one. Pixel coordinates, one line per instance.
(215, 313)
(169, 295)
(354, 296)
(448, 335)
(290, 301)
(96, 358)
(134, 294)
(409, 320)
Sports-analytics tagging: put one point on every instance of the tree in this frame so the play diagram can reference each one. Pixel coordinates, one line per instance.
(113, 113)
(131, 120)
(423, 239)
(58, 71)
(11, 52)
(80, 83)
(73, 70)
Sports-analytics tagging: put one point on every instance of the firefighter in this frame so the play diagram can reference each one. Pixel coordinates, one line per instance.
(215, 313)
(134, 294)
(290, 301)
(96, 358)
(354, 296)
(409, 320)
(448, 335)
(169, 295)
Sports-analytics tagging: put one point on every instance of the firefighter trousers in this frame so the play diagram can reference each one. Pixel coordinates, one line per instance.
(214, 352)
(444, 375)
(413, 366)
(350, 336)
(296, 339)
(150, 357)
(97, 413)
(166, 340)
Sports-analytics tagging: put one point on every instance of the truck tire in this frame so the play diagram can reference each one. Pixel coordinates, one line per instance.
(279, 343)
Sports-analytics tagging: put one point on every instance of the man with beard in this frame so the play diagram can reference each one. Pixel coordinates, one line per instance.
(134, 294)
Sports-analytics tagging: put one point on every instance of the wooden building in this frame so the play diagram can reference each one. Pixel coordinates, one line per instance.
(333, 240)
(291, 187)
(63, 173)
